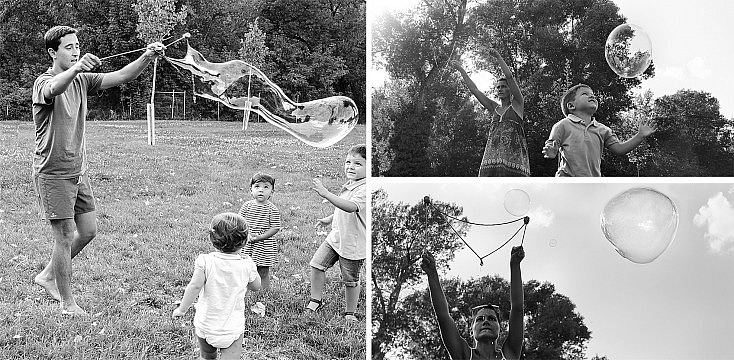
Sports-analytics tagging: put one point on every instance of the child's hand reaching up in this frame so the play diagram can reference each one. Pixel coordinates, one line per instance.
(319, 188)
(645, 129)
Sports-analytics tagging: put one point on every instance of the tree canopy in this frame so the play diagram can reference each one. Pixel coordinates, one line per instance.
(311, 53)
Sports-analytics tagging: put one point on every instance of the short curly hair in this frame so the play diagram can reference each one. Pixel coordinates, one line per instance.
(360, 150)
(228, 232)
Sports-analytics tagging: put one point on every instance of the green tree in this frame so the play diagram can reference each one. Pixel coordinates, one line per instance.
(400, 234)
(692, 137)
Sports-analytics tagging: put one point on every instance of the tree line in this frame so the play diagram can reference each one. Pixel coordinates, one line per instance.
(425, 122)
(310, 48)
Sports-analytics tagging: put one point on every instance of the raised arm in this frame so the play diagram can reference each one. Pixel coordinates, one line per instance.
(518, 101)
(452, 340)
(343, 204)
(512, 346)
(622, 148)
(133, 69)
(488, 103)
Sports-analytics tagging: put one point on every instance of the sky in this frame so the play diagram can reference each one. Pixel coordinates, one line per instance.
(691, 45)
(678, 306)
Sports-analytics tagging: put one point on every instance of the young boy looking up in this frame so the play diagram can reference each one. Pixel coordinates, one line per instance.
(581, 139)
(347, 241)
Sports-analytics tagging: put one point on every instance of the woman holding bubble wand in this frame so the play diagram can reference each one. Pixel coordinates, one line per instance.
(485, 319)
(506, 152)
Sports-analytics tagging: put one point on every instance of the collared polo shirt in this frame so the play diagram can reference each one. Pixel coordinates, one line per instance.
(581, 145)
(348, 230)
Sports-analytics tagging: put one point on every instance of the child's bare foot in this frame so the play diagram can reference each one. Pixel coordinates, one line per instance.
(49, 285)
(72, 309)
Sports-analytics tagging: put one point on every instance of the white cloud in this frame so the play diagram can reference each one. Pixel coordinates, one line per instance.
(675, 72)
(698, 68)
(541, 216)
(716, 216)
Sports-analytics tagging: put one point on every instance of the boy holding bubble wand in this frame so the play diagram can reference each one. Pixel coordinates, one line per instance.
(347, 241)
(59, 160)
(580, 138)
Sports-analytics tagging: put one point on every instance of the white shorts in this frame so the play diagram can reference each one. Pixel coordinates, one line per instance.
(217, 341)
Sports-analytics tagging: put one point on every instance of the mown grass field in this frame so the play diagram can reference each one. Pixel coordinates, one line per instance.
(154, 204)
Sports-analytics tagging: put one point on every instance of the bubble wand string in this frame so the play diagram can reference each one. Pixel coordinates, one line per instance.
(523, 227)
(184, 36)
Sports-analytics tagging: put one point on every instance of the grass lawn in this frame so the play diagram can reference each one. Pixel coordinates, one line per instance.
(154, 204)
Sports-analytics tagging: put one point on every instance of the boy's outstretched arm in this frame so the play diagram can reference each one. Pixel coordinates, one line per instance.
(512, 346)
(517, 98)
(622, 148)
(133, 69)
(483, 99)
(59, 83)
(343, 204)
(452, 340)
(191, 292)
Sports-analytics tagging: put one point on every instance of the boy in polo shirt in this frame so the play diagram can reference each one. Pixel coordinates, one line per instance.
(347, 241)
(581, 139)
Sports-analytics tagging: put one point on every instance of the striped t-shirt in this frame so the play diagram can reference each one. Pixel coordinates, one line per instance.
(261, 218)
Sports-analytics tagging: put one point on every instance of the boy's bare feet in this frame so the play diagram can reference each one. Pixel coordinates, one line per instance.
(72, 309)
(49, 285)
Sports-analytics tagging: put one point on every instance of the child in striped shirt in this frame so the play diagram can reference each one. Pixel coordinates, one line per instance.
(263, 221)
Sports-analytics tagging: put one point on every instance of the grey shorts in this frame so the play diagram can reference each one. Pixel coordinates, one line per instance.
(325, 257)
(63, 198)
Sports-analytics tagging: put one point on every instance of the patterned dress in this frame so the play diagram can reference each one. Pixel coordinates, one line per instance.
(506, 152)
(261, 218)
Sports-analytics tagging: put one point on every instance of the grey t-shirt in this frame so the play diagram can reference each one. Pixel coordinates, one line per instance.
(60, 142)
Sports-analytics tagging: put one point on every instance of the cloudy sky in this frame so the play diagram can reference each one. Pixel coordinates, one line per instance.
(691, 44)
(675, 307)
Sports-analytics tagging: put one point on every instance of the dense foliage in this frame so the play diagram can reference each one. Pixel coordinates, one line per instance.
(310, 48)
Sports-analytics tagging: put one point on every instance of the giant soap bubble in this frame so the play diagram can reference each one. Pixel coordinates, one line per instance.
(517, 202)
(640, 223)
(239, 85)
(628, 50)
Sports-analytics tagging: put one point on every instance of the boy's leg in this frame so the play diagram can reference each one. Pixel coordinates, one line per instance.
(350, 276)
(324, 258)
(63, 231)
(233, 352)
(318, 279)
(60, 197)
(207, 351)
(264, 272)
(86, 230)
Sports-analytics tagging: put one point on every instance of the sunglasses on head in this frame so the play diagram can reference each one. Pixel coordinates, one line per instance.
(476, 309)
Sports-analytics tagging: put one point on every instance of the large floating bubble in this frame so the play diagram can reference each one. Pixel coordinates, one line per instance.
(640, 223)
(517, 202)
(239, 85)
(628, 50)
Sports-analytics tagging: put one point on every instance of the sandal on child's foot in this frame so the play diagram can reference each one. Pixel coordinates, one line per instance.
(319, 305)
(350, 316)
